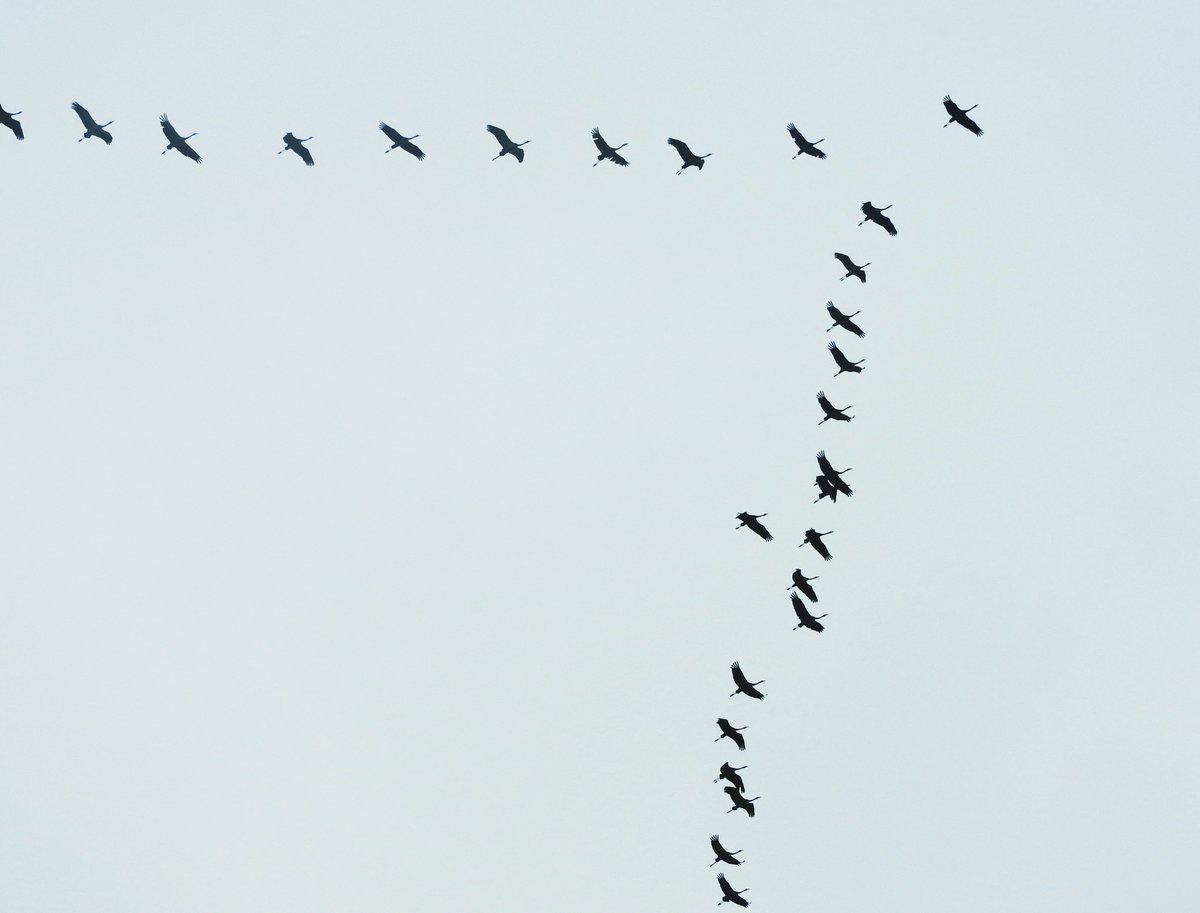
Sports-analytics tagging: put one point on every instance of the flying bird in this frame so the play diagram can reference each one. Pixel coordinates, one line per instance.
(806, 618)
(177, 142)
(90, 127)
(813, 538)
(729, 731)
(723, 855)
(607, 151)
(740, 801)
(399, 141)
(958, 114)
(744, 685)
(834, 475)
(507, 146)
(800, 582)
(751, 520)
(827, 490)
(843, 320)
(690, 158)
(832, 412)
(805, 147)
(730, 894)
(851, 269)
(9, 119)
(844, 364)
(876, 215)
(297, 146)
(730, 773)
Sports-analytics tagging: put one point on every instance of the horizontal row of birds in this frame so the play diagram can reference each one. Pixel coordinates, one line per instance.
(606, 151)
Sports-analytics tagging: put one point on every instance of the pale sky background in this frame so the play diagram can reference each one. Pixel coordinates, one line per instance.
(367, 531)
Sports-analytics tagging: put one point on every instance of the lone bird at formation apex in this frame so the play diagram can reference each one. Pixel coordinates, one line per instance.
(751, 521)
(90, 127)
(858, 272)
(607, 151)
(507, 146)
(690, 159)
(805, 147)
(723, 855)
(399, 141)
(874, 214)
(297, 146)
(958, 114)
(177, 142)
(744, 685)
(729, 731)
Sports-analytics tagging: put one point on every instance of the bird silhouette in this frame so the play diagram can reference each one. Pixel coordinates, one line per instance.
(90, 127)
(813, 538)
(507, 146)
(730, 894)
(958, 114)
(751, 521)
(834, 475)
(729, 731)
(843, 320)
(9, 119)
(730, 773)
(744, 685)
(844, 364)
(177, 142)
(851, 269)
(690, 159)
(400, 141)
(806, 618)
(832, 412)
(827, 490)
(876, 215)
(607, 151)
(800, 582)
(740, 801)
(297, 146)
(723, 855)
(805, 147)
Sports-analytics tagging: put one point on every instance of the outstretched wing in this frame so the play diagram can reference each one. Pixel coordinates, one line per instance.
(845, 261)
(500, 135)
(796, 135)
(619, 159)
(169, 132)
(965, 119)
(88, 122)
(739, 679)
(188, 151)
(390, 132)
(599, 141)
(883, 220)
(682, 148)
(825, 404)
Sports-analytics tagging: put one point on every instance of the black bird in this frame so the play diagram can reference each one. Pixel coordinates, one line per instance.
(813, 538)
(751, 520)
(800, 582)
(91, 128)
(843, 320)
(690, 158)
(805, 147)
(507, 146)
(9, 119)
(958, 114)
(844, 364)
(851, 270)
(730, 894)
(177, 142)
(833, 475)
(827, 490)
(831, 411)
(723, 855)
(740, 801)
(729, 773)
(297, 146)
(399, 141)
(607, 151)
(729, 731)
(744, 685)
(876, 215)
(807, 619)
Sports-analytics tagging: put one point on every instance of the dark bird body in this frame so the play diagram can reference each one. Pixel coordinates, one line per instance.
(876, 215)
(805, 147)
(723, 855)
(730, 894)
(806, 618)
(729, 731)
(607, 151)
(832, 412)
(730, 773)
(800, 582)
(751, 521)
(813, 538)
(399, 141)
(740, 801)
(690, 159)
(827, 490)
(958, 114)
(177, 142)
(744, 685)
(9, 119)
(507, 146)
(843, 320)
(90, 127)
(297, 146)
(858, 272)
(844, 364)
(834, 475)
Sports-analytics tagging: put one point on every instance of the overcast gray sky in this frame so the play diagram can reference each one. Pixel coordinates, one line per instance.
(367, 531)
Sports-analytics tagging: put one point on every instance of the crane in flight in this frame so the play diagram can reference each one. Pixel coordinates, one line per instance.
(690, 159)
(874, 214)
(751, 521)
(827, 490)
(177, 142)
(90, 127)
(730, 894)
(834, 475)
(957, 114)
(729, 731)
(507, 146)
(740, 801)
(730, 773)
(831, 411)
(844, 364)
(800, 582)
(813, 538)
(723, 855)
(858, 272)
(607, 151)
(843, 320)
(400, 141)
(297, 146)
(744, 685)
(805, 147)
(805, 617)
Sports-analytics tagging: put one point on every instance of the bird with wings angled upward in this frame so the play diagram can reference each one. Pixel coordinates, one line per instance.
(852, 269)
(800, 582)
(177, 142)
(957, 114)
(804, 616)
(744, 685)
(400, 141)
(734, 733)
(874, 214)
(730, 773)
(507, 146)
(844, 364)
(805, 147)
(813, 538)
(723, 855)
(90, 127)
(843, 320)
(690, 159)
(750, 521)
(730, 894)
(834, 475)
(607, 151)
(9, 119)
(831, 411)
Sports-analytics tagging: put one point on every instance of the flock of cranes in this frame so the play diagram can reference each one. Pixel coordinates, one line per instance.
(831, 484)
